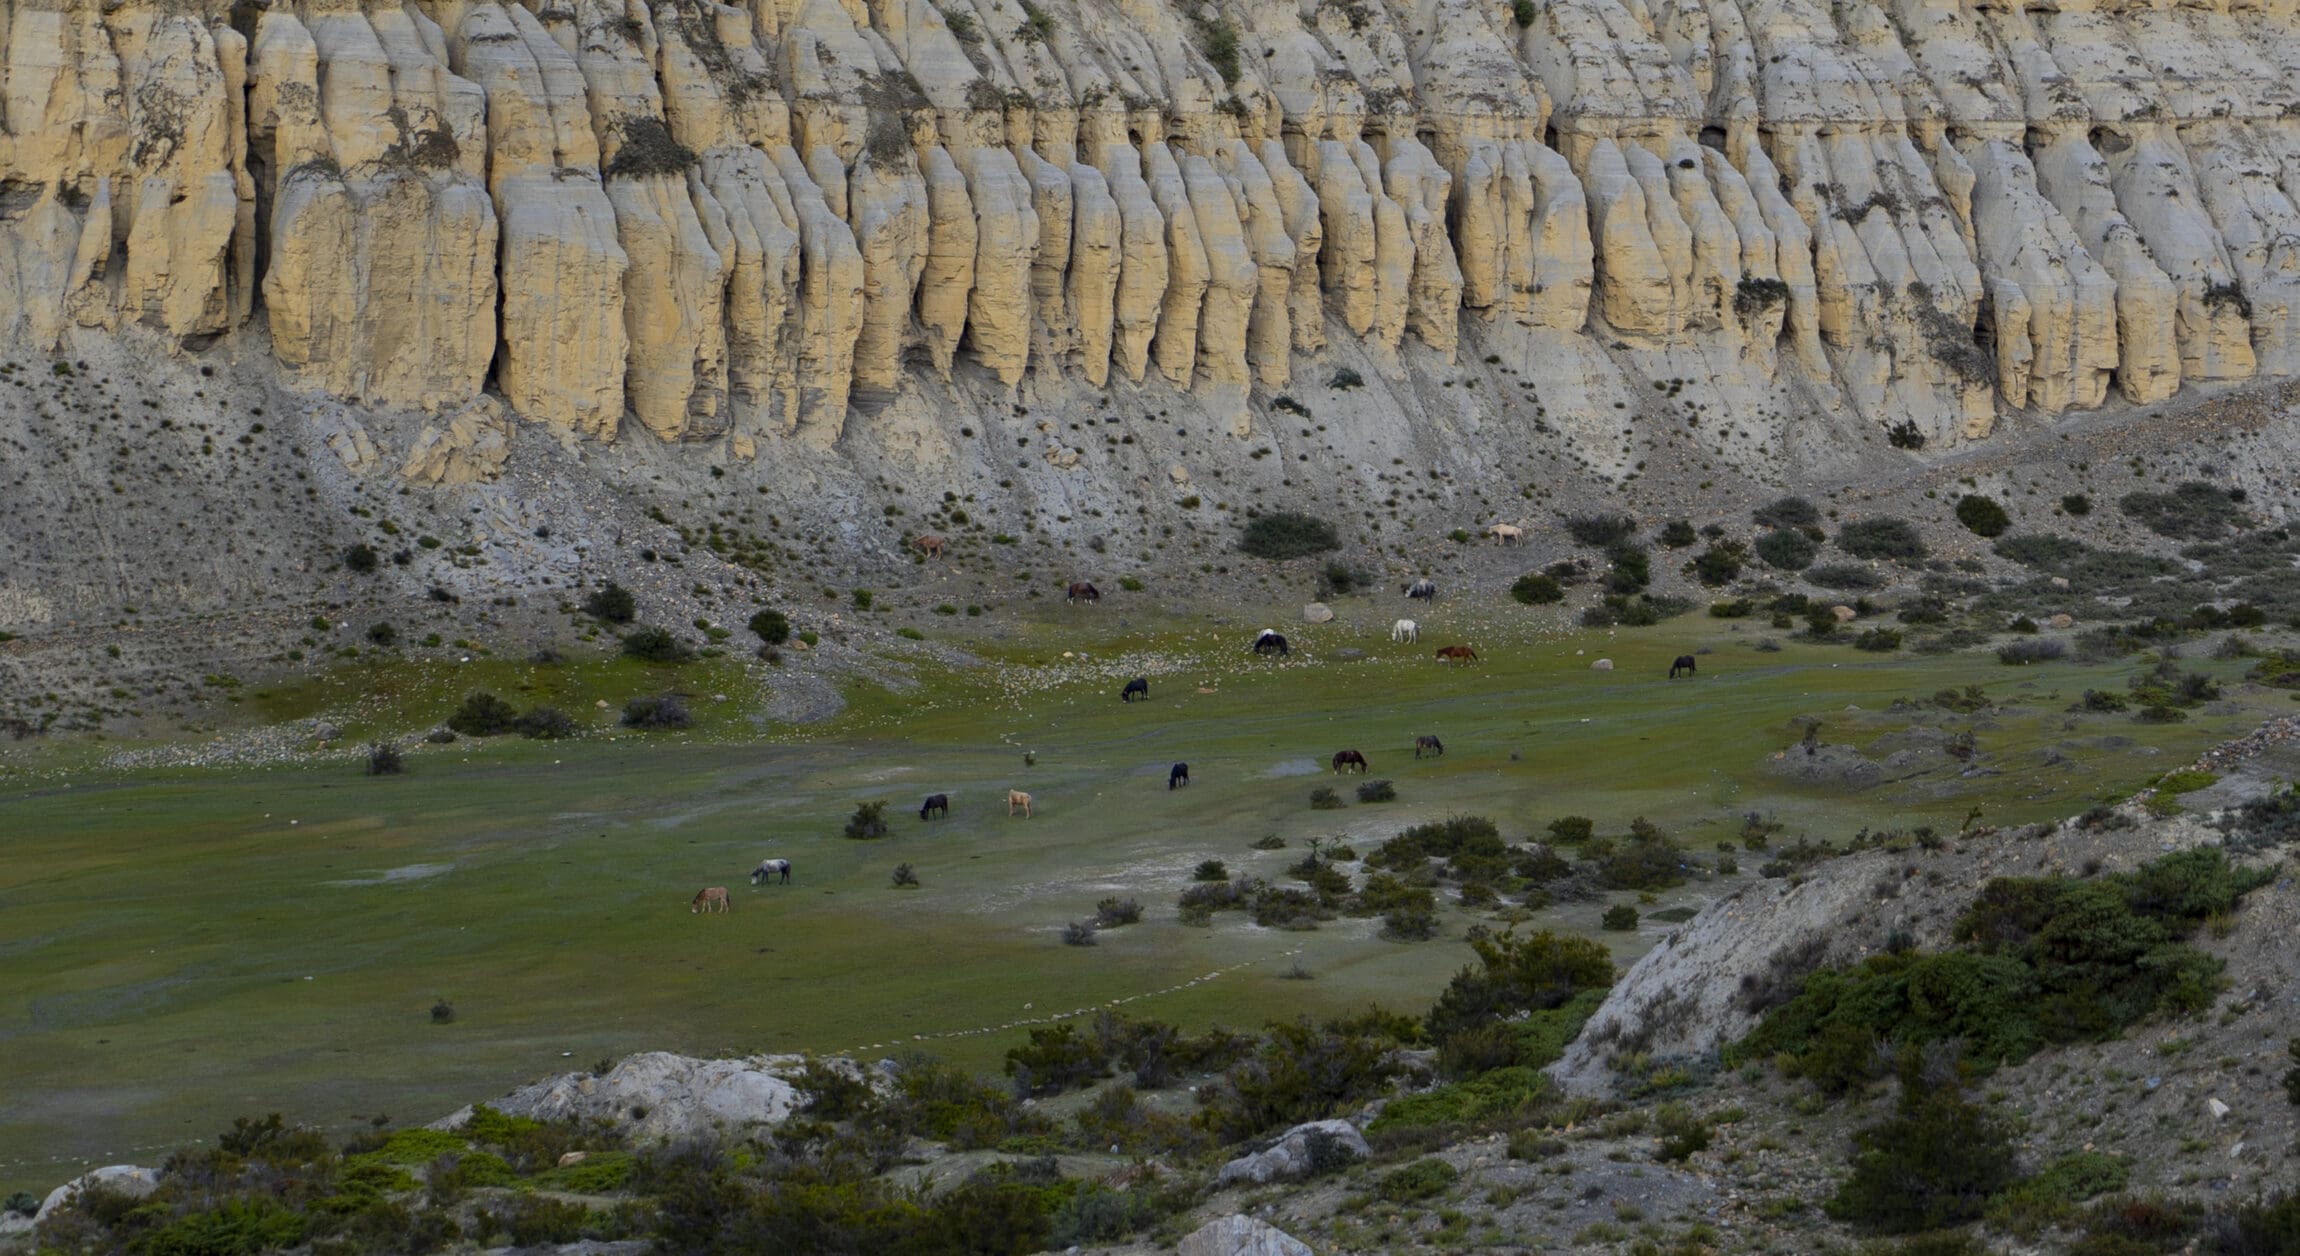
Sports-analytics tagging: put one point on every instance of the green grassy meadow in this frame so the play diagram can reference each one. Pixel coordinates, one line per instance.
(186, 945)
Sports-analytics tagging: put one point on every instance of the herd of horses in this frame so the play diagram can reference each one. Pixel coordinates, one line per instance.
(1268, 641)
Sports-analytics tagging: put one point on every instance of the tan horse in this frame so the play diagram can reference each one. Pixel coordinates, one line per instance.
(712, 898)
(1505, 533)
(1016, 798)
(929, 545)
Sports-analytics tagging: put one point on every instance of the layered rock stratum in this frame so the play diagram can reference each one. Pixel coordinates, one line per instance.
(701, 222)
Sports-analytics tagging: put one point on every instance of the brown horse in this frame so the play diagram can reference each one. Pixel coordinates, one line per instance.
(1349, 759)
(1456, 654)
(929, 545)
(1431, 744)
(711, 898)
(1016, 798)
(1083, 591)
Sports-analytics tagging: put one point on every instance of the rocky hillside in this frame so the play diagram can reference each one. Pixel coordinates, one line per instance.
(756, 224)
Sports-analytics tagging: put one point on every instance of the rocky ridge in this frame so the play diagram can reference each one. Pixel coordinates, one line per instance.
(756, 223)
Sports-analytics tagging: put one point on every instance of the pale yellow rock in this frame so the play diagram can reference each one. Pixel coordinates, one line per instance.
(1140, 296)
(830, 302)
(1232, 279)
(949, 272)
(1346, 219)
(1421, 189)
(887, 208)
(470, 449)
(1188, 272)
(1097, 239)
(1298, 206)
(998, 310)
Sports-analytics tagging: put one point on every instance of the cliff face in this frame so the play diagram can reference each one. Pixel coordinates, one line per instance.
(734, 222)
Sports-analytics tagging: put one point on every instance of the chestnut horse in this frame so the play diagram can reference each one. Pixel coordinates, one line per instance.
(1082, 591)
(929, 545)
(1349, 759)
(1456, 654)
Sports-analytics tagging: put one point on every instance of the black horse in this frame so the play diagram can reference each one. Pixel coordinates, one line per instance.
(1179, 777)
(1137, 687)
(934, 803)
(1083, 591)
(1684, 664)
(1423, 590)
(1270, 642)
(1431, 744)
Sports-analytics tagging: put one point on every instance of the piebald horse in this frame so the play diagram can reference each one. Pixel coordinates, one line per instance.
(771, 870)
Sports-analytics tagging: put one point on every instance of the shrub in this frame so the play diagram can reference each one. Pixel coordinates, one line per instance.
(868, 822)
(483, 715)
(22, 1203)
(1734, 608)
(1601, 531)
(905, 876)
(360, 558)
(1572, 828)
(1410, 924)
(655, 645)
(1211, 870)
(1057, 1058)
(656, 711)
(1525, 13)
(544, 723)
(2103, 701)
(772, 626)
(1423, 1179)
(1905, 435)
(1345, 379)
(1632, 569)
(1077, 934)
(2077, 505)
(2031, 650)
(1678, 533)
(1620, 918)
(1787, 549)
(1536, 589)
(1935, 1163)
(1882, 537)
(1113, 912)
(1377, 791)
(383, 759)
(2292, 1075)
(2193, 511)
(1287, 534)
(1323, 798)
(1878, 641)
(1721, 563)
(235, 1227)
(1788, 512)
(611, 603)
(1518, 973)
(1844, 576)
(1982, 516)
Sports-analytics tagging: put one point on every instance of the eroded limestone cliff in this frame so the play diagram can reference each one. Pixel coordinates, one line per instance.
(736, 222)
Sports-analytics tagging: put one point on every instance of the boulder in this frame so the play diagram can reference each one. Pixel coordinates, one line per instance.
(656, 1096)
(1317, 613)
(1297, 1153)
(1844, 614)
(2061, 621)
(1239, 1235)
(132, 1180)
(1602, 665)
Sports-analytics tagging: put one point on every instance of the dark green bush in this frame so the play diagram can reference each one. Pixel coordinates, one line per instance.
(1982, 516)
(1678, 533)
(1287, 534)
(2076, 504)
(544, 723)
(1211, 870)
(1734, 608)
(1377, 791)
(772, 626)
(1882, 537)
(1423, 1179)
(2032, 650)
(360, 558)
(1844, 577)
(1933, 1164)
(1537, 590)
(1787, 549)
(1056, 1059)
(1620, 918)
(1788, 512)
(1878, 641)
(483, 715)
(868, 822)
(1305, 1072)
(1518, 973)
(1601, 531)
(612, 603)
(656, 711)
(2193, 511)
(1631, 569)
(655, 645)
(1719, 564)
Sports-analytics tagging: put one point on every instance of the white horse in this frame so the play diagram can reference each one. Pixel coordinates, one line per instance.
(1405, 630)
(770, 870)
(1505, 533)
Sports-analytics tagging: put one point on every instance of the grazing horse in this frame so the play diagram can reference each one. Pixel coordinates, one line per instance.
(1179, 776)
(934, 804)
(1082, 591)
(929, 545)
(1423, 590)
(1349, 759)
(1405, 630)
(1137, 687)
(1431, 744)
(1684, 663)
(771, 870)
(1505, 533)
(1271, 642)
(1016, 798)
(710, 898)
(1456, 654)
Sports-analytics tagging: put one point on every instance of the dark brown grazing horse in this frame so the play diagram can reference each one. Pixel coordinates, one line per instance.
(935, 803)
(1271, 642)
(1179, 777)
(1137, 687)
(1431, 744)
(1081, 591)
(1350, 759)
(1684, 663)
(1456, 654)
